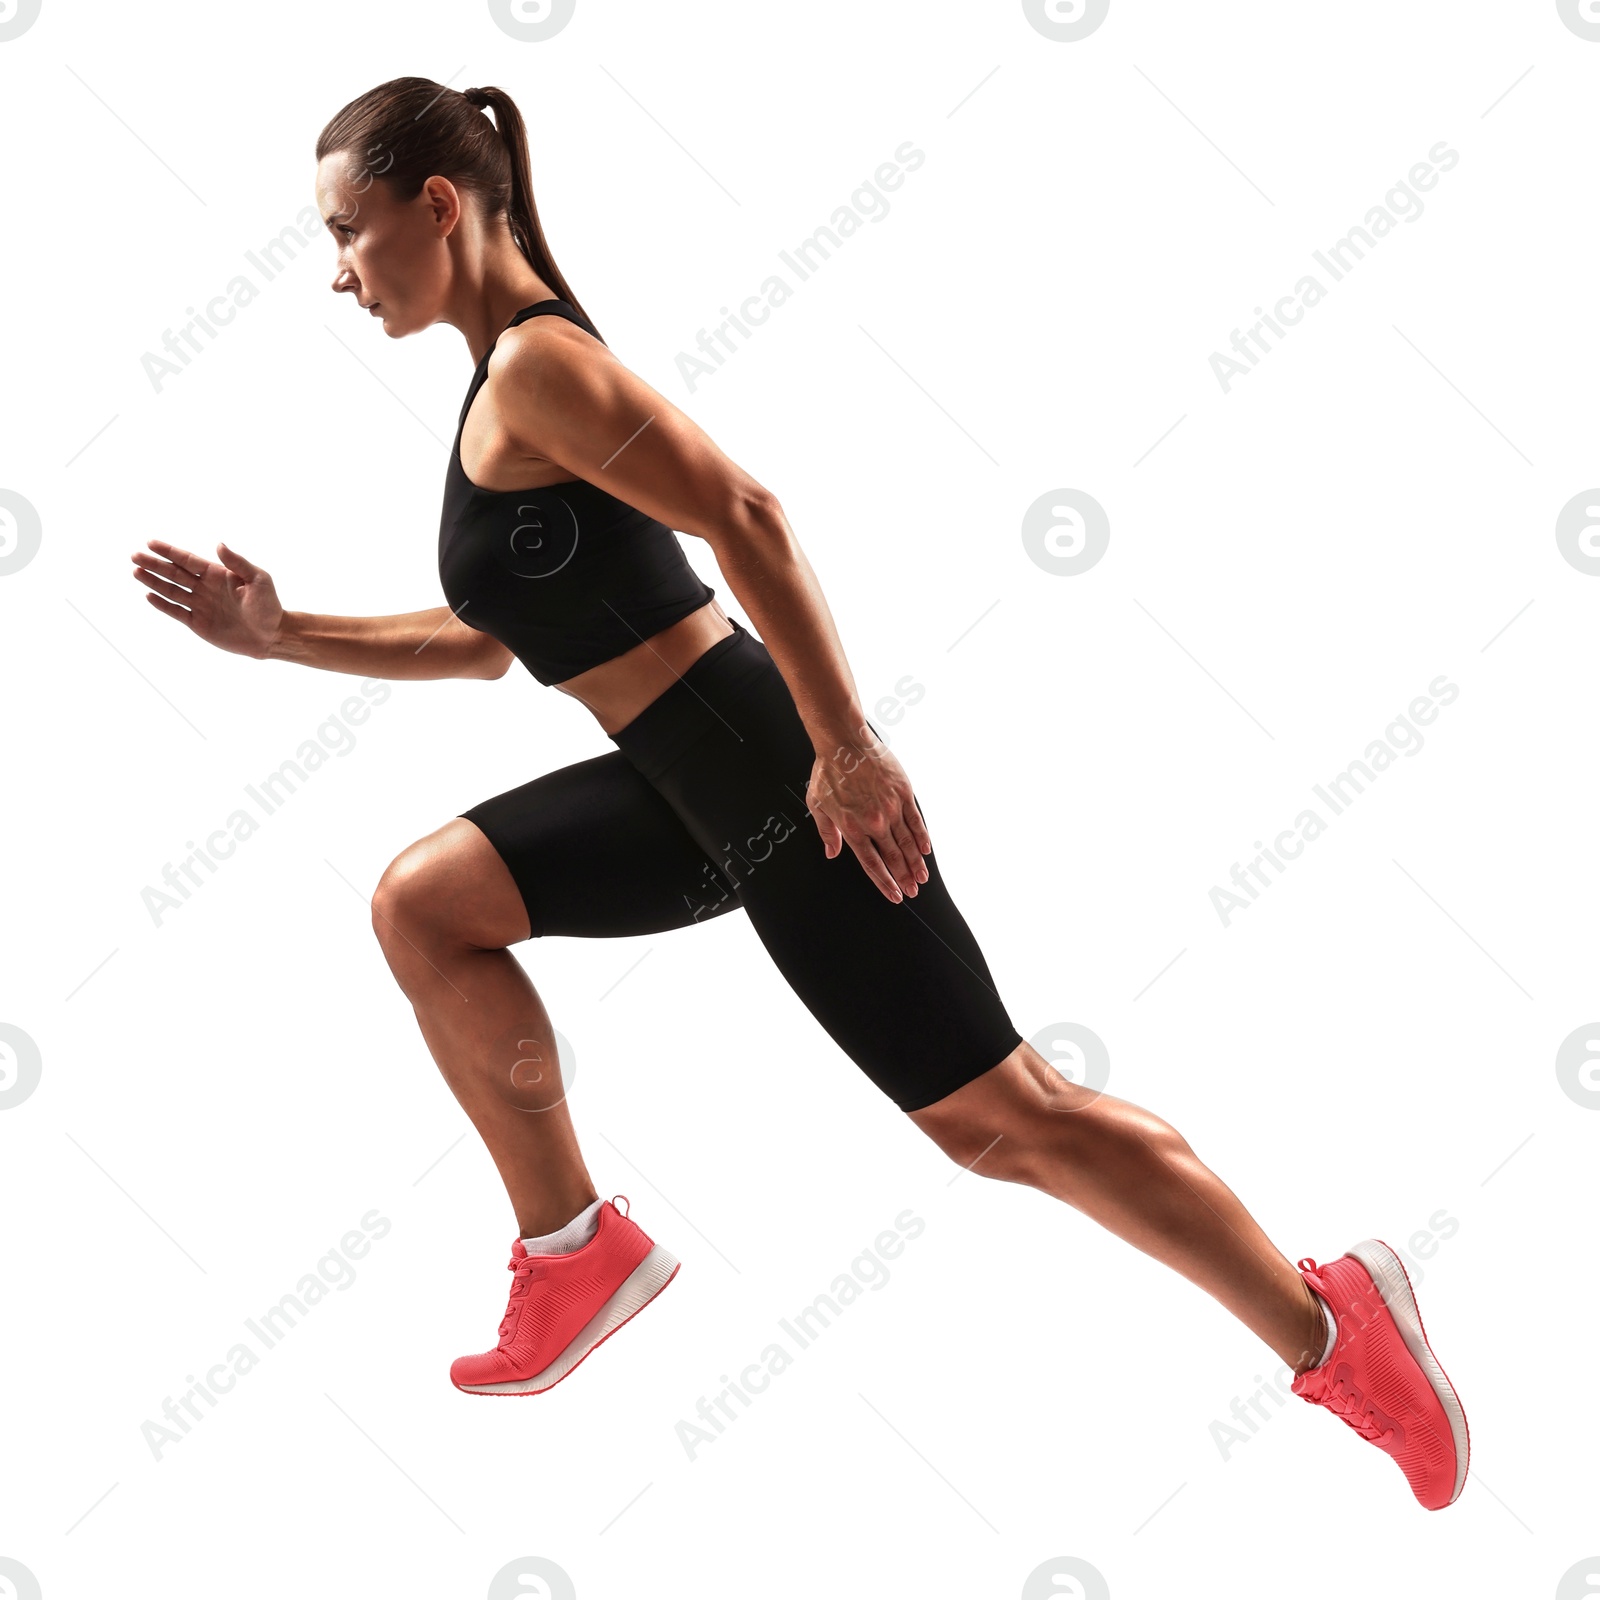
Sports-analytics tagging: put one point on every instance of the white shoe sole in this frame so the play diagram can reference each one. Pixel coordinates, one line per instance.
(632, 1295)
(1389, 1273)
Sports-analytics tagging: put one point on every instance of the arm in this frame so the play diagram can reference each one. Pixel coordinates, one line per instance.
(562, 395)
(759, 555)
(412, 644)
(859, 793)
(232, 604)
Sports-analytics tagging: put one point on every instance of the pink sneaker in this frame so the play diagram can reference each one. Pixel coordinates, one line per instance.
(1382, 1378)
(562, 1306)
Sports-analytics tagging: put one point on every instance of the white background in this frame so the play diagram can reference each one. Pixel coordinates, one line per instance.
(1372, 1042)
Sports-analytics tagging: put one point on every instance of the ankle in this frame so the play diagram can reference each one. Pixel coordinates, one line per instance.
(1324, 1335)
(548, 1216)
(573, 1234)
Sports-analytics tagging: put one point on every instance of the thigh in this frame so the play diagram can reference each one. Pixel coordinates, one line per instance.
(597, 852)
(902, 988)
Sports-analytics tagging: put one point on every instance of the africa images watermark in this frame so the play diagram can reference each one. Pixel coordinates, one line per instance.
(1401, 737)
(269, 262)
(866, 204)
(867, 1271)
(1400, 204)
(720, 881)
(334, 1271)
(333, 738)
(1248, 1412)
(182, 346)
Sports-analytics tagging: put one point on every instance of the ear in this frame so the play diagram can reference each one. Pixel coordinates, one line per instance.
(443, 199)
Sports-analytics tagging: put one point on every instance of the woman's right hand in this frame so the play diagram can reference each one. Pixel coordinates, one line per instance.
(230, 603)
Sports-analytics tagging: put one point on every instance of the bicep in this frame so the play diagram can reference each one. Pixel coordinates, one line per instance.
(583, 409)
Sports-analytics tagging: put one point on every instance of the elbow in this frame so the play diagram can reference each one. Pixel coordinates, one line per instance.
(755, 518)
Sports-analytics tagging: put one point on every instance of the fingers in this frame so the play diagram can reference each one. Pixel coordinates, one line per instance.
(181, 576)
(832, 839)
(912, 855)
(185, 560)
(895, 859)
(238, 563)
(893, 847)
(866, 853)
(171, 590)
(181, 585)
(885, 831)
(884, 861)
(888, 852)
(167, 606)
(919, 828)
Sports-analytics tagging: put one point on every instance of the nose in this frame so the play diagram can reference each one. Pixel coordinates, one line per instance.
(344, 279)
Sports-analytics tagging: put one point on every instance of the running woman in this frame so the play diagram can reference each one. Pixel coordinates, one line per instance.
(743, 775)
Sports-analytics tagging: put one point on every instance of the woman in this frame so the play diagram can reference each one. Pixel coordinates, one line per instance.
(743, 766)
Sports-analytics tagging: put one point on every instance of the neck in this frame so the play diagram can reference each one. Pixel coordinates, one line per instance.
(500, 285)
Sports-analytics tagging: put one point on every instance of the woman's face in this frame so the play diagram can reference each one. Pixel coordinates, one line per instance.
(393, 255)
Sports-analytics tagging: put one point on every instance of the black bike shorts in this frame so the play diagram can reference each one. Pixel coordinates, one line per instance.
(701, 810)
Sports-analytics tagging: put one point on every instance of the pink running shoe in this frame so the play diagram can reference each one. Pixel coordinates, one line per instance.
(1382, 1378)
(562, 1306)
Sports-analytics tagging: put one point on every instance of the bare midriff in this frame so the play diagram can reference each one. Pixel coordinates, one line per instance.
(619, 689)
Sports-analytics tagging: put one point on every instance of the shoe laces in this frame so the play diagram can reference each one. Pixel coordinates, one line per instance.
(521, 1276)
(1351, 1407)
(1335, 1391)
(523, 1270)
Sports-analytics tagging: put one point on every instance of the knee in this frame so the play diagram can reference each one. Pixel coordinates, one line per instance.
(401, 905)
(1029, 1127)
(445, 896)
(987, 1145)
(988, 1126)
(426, 909)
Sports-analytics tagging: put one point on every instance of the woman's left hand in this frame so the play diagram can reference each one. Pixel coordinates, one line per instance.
(861, 796)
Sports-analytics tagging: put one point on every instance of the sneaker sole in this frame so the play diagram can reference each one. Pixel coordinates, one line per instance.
(1394, 1284)
(628, 1299)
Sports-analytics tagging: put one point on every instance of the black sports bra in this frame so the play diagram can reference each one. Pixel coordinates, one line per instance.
(565, 576)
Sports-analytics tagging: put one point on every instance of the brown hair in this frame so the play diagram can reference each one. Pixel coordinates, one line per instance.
(411, 129)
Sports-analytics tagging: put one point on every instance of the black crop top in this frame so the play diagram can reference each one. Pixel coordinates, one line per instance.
(565, 576)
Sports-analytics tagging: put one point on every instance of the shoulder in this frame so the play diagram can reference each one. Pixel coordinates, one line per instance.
(548, 375)
(543, 346)
(547, 363)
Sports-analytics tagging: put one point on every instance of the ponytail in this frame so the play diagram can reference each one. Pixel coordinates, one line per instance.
(521, 212)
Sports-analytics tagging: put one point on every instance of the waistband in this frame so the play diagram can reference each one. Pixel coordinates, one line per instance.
(684, 710)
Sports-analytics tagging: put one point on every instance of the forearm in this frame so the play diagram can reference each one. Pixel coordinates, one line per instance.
(772, 579)
(411, 644)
